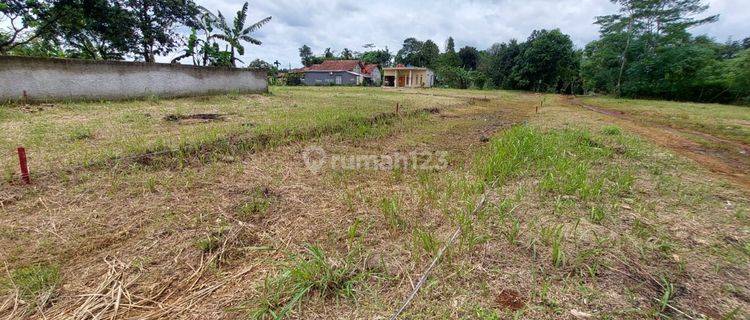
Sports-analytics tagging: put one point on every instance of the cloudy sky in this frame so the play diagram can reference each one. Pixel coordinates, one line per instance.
(350, 24)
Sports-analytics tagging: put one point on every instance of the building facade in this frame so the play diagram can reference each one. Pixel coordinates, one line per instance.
(408, 77)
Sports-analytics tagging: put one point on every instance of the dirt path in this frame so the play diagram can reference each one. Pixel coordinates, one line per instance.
(730, 158)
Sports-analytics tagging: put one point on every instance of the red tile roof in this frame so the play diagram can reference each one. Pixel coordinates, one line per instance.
(335, 65)
(369, 67)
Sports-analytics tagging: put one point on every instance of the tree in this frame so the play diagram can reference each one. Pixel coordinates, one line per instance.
(429, 54)
(469, 57)
(547, 62)
(306, 55)
(329, 54)
(450, 45)
(380, 57)
(22, 17)
(91, 29)
(237, 32)
(410, 53)
(346, 54)
(453, 76)
(498, 62)
(156, 22)
(648, 23)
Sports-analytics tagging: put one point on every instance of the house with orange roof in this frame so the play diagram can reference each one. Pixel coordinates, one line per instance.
(340, 72)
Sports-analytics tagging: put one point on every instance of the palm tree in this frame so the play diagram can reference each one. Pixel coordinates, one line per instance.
(237, 33)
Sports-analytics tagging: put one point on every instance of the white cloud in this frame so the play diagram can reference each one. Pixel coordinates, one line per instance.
(350, 24)
(342, 24)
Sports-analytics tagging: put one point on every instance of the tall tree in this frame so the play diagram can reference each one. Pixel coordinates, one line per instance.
(329, 54)
(380, 57)
(346, 54)
(306, 55)
(237, 32)
(410, 53)
(156, 22)
(469, 57)
(547, 62)
(630, 56)
(450, 45)
(92, 29)
(429, 54)
(27, 20)
(498, 62)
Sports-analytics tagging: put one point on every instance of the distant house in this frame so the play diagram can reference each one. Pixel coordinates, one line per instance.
(340, 72)
(372, 71)
(410, 77)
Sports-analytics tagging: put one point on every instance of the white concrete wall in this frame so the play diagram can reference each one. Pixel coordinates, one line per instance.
(67, 79)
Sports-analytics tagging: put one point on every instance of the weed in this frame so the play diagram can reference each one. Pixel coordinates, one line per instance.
(667, 294)
(151, 184)
(36, 281)
(513, 231)
(80, 133)
(391, 211)
(212, 241)
(558, 256)
(612, 130)
(208, 244)
(257, 205)
(311, 273)
(597, 214)
(426, 241)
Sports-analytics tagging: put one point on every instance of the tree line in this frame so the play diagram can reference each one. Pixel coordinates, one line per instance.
(120, 29)
(644, 51)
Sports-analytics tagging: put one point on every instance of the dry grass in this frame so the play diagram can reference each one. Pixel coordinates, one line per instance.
(662, 234)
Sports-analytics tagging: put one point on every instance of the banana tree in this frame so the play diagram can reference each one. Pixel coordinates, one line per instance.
(235, 34)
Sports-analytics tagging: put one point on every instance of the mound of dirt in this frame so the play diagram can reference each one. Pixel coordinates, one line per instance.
(193, 118)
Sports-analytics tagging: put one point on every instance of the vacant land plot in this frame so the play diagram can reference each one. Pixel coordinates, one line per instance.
(204, 207)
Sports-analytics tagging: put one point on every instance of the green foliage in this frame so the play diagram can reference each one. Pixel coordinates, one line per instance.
(646, 51)
(391, 210)
(313, 273)
(237, 33)
(469, 57)
(380, 57)
(547, 63)
(34, 281)
(418, 53)
(564, 159)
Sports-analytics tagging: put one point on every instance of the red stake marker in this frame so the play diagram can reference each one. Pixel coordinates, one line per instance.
(24, 166)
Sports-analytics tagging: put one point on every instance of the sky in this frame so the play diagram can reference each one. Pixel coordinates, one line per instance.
(342, 24)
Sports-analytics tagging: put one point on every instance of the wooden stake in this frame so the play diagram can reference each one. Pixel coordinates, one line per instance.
(24, 165)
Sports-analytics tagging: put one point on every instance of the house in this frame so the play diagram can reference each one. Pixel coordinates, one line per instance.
(410, 77)
(372, 71)
(340, 72)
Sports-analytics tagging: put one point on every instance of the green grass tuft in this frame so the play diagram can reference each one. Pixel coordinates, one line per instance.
(312, 273)
(34, 281)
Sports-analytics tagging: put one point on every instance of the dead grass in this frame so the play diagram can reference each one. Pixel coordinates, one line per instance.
(592, 219)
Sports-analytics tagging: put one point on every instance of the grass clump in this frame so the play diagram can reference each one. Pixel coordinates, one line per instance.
(257, 205)
(310, 274)
(426, 241)
(612, 130)
(391, 209)
(35, 282)
(208, 244)
(80, 133)
(568, 162)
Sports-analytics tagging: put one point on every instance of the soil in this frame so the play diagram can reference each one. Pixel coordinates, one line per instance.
(728, 158)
